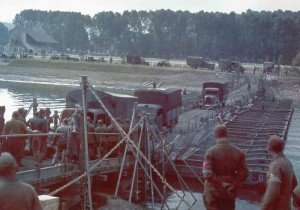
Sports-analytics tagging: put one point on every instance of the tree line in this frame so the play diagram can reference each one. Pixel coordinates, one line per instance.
(249, 37)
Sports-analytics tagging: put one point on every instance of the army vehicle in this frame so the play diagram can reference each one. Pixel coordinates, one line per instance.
(121, 106)
(136, 60)
(163, 63)
(214, 93)
(195, 62)
(230, 66)
(163, 105)
(270, 68)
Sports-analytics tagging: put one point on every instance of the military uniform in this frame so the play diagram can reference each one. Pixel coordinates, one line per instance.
(60, 142)
(2, 120)
(73, 138)
(15, 145)
(281, 181)
(39, 144)
(296, 197)
(224, 169)
(15, 194)
(101, 128)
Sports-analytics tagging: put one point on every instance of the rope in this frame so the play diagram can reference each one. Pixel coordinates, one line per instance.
(135, 147)
(94, 166)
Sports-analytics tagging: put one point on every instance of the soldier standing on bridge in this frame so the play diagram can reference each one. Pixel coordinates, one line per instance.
(60, 142)
(15, 145)
(224, 169)
(281, 179)
(39, 144)
(2, 120)
(101, 128)
(14, 194)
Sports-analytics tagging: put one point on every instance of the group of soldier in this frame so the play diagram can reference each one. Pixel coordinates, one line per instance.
(18, 125)
(67, 138)
(225, 169)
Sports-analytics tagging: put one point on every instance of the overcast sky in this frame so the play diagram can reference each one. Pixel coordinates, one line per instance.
(9, 8)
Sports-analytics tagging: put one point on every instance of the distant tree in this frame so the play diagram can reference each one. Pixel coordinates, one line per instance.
(250, 36)
(4, 35)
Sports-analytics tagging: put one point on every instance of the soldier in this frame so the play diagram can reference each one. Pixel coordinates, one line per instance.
(60, 142)
(92, 139)
(281, 179)
(22, 114)
(39, 144)
(15, 145)
(224, 169)
(73, 137)
(48, 118)
(2, 120)
(15, 194)
(101, 128)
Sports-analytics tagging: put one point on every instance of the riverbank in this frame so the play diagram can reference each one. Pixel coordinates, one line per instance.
(107, 76)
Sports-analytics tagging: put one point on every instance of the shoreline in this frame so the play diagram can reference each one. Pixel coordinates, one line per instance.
(129, 77)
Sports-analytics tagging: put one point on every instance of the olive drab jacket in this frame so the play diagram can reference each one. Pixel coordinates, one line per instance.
(281, 181)
(15, 194)
(224, 163)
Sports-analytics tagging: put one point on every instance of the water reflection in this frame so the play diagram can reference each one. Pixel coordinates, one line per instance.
(15, 94)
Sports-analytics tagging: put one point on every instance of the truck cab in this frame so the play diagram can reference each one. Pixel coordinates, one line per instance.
(214, 93)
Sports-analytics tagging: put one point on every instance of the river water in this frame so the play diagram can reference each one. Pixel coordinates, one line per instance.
(14, 95)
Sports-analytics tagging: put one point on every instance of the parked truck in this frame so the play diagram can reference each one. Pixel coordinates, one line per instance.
(196, 62)
(270, 68)
(136, 60)
(230, 66)
(163, 105)
(214, 93)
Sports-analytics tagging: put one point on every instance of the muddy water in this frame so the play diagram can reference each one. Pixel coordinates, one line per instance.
(19, 94)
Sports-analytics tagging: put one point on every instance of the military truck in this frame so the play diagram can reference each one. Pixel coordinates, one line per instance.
(163, 63)
(270, 68)
(136, 60)
(120, 106)
(230, 66)
(214, 93)
(195, 62)
(163, 105)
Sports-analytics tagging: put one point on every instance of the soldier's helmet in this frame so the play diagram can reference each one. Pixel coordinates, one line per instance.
(7, 163)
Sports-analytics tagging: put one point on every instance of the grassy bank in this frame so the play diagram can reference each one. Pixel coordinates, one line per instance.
(90, 66)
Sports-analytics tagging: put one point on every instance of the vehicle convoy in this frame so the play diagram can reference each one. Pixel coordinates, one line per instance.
(214, 92)
(230, 66)
(196, 62)
(163, 105)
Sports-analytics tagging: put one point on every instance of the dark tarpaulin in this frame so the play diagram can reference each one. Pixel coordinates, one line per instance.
(119, 105)
(167, 98)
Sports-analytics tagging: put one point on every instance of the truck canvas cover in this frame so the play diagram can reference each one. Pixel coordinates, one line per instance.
(217, 84)
(168, 99)
(119, 105)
